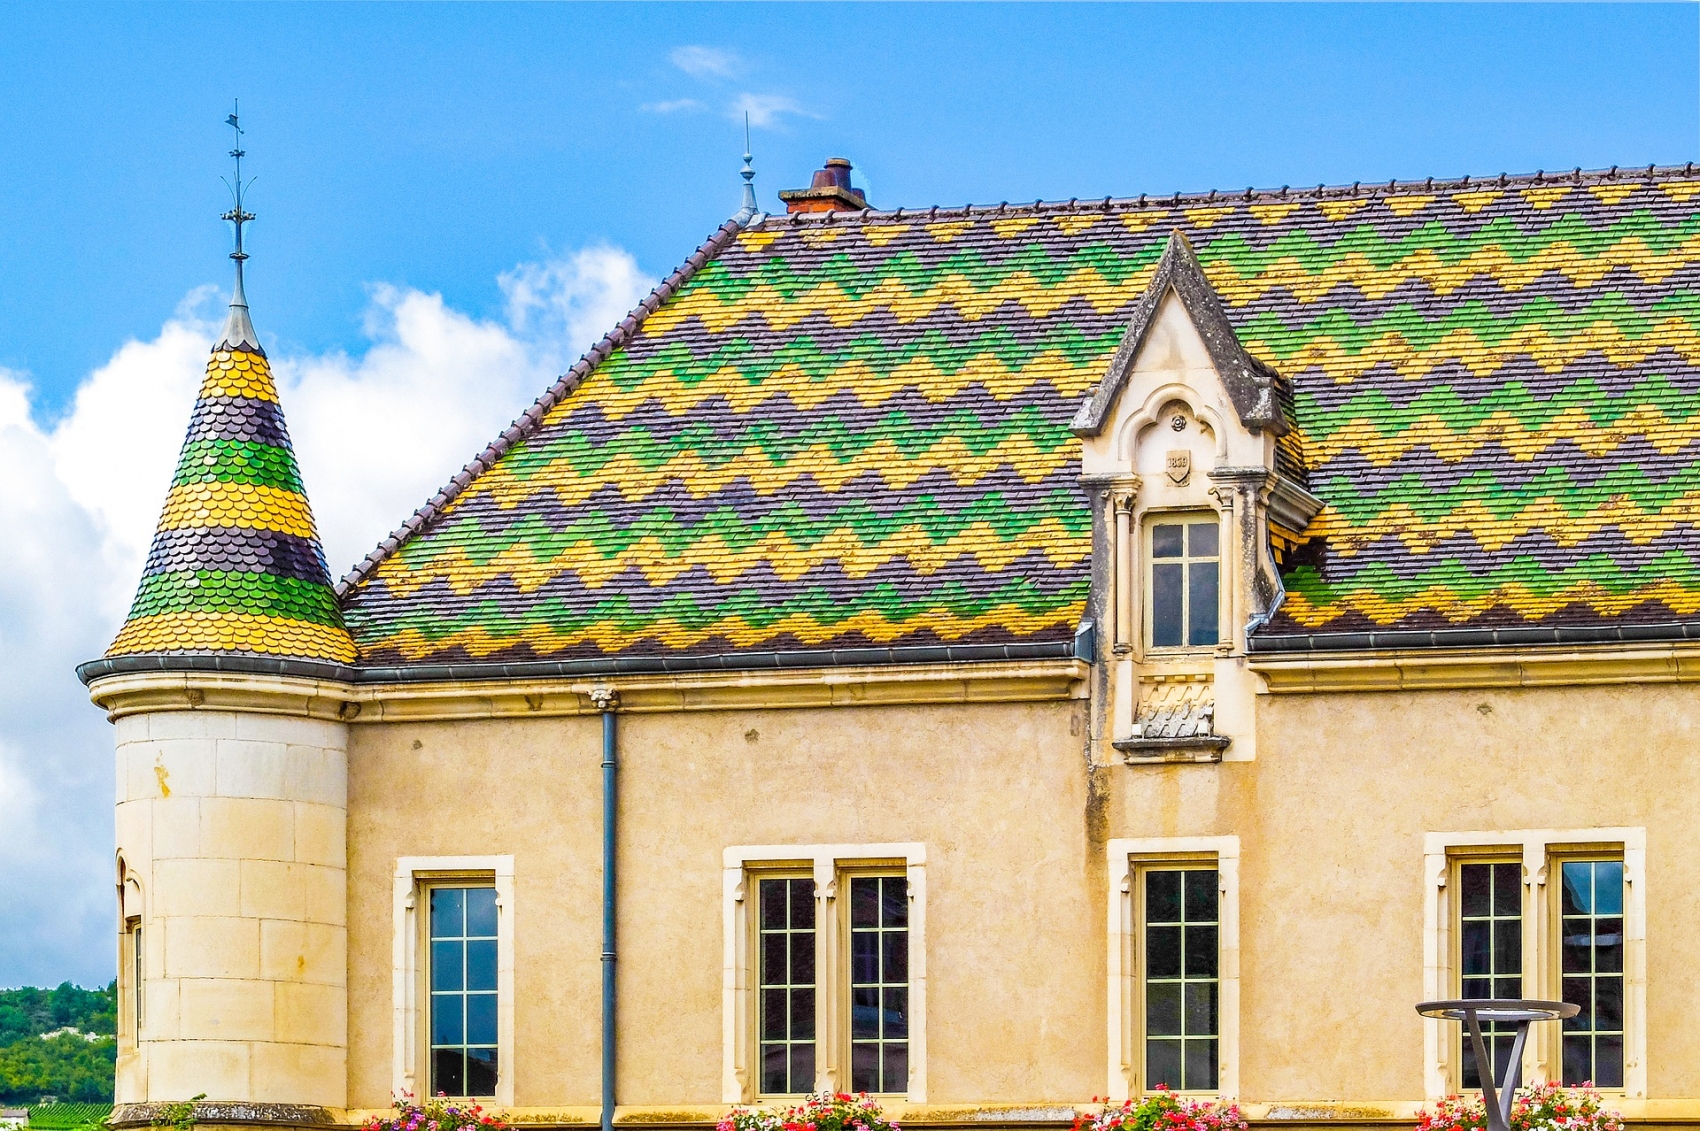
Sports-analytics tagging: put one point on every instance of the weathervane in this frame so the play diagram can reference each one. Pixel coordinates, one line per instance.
(238, 328)
(236, 215)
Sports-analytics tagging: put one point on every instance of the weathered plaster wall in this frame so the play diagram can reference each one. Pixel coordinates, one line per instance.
(996, 792)
(1331, 818)
(233, 826)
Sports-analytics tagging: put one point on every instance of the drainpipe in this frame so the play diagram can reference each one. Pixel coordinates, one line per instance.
(607, 701)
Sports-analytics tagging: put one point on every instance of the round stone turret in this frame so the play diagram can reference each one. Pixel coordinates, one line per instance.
(232, 786)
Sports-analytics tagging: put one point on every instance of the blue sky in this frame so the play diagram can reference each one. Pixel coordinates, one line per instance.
(456, 200)
(435, 146)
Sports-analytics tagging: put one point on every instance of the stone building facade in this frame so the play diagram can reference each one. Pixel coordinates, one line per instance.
(991, 658)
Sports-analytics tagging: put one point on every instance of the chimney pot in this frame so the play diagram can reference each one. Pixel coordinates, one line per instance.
(829, 191)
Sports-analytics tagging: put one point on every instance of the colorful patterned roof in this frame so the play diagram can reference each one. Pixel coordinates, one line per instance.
(235, 567)
(852, 430)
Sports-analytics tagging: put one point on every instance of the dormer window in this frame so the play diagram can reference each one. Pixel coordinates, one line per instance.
(1185, 583)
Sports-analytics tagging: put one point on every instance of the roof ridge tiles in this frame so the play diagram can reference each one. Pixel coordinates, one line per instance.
(1576, 176)
(528, 421)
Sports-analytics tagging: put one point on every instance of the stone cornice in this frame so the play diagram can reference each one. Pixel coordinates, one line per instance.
(1464, 668)
(1015, 681)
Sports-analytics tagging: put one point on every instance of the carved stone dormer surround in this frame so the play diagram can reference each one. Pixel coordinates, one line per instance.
(1184, 423)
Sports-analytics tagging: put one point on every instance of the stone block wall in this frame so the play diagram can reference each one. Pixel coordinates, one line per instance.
(233, 825)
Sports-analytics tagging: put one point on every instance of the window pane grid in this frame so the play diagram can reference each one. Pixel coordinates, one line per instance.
(1185, 583)
(1591, 969)
(879, 984)
(463, 991)
(1182, 990)
(786, 986)
(1491, 953)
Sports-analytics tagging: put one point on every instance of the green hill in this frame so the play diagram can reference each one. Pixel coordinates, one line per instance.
(69, 1065)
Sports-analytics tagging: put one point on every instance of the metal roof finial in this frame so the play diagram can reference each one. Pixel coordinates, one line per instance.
(238, 327)
(749, 210)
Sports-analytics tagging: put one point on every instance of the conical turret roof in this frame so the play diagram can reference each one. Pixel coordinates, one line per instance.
(236, 567)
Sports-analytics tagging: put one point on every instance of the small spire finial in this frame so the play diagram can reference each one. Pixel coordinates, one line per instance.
(238, 327)
(749, 210)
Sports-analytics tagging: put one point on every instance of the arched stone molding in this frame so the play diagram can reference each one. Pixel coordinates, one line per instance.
(1156, 406)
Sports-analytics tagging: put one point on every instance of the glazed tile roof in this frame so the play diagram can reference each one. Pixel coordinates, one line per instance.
(235, 568)
(852, 430)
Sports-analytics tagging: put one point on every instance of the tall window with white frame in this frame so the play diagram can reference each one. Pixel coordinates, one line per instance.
(1591, 968)
(1181, 950)
(879, 984)
(463, 991)
(1490, 946)
(786, 996)
(1185, 586)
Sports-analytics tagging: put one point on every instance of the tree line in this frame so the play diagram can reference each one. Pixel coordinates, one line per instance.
(69, 1066)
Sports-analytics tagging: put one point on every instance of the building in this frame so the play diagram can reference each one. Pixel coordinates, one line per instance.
(1004, 656)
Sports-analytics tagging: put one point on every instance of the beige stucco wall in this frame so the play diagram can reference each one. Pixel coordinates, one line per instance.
(1331, 818)
(996, 792)
(232, 825)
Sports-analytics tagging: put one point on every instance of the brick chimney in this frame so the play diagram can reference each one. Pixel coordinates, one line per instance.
(830, 191)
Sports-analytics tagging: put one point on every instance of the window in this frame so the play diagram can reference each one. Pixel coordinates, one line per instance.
(1185, 582)
(132, 966)
(1490, 953)
(1181, 947)
(463, 991)
(136, 953)
(1174, 965)
(453, 976)
(879, 984)
(787, 986)
(1591, 960)
(1545, 913)
(826, 980)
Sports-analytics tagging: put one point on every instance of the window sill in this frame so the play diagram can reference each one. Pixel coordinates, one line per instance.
(1161, 751)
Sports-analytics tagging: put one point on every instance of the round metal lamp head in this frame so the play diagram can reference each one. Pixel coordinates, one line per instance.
(1499, 1009)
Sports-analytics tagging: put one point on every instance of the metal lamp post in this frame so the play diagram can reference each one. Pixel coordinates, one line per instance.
(1472, 1011)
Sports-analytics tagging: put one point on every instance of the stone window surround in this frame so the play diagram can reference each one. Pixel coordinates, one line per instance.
(413, 874)
(1538, 849)
(827, 863)
(132, 961)
(1126, 1047)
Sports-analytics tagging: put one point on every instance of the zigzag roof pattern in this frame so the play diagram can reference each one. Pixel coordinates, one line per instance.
(850, 430)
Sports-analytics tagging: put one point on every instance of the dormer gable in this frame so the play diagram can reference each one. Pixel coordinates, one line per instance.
(1179, 446)
(1251, 385)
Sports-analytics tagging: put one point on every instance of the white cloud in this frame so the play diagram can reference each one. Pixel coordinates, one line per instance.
(766, 109)
(675, 106)
(706, 62)
(376, 433)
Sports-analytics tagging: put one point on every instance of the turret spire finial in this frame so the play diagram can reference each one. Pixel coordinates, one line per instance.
(749, 210)
(238, 327)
